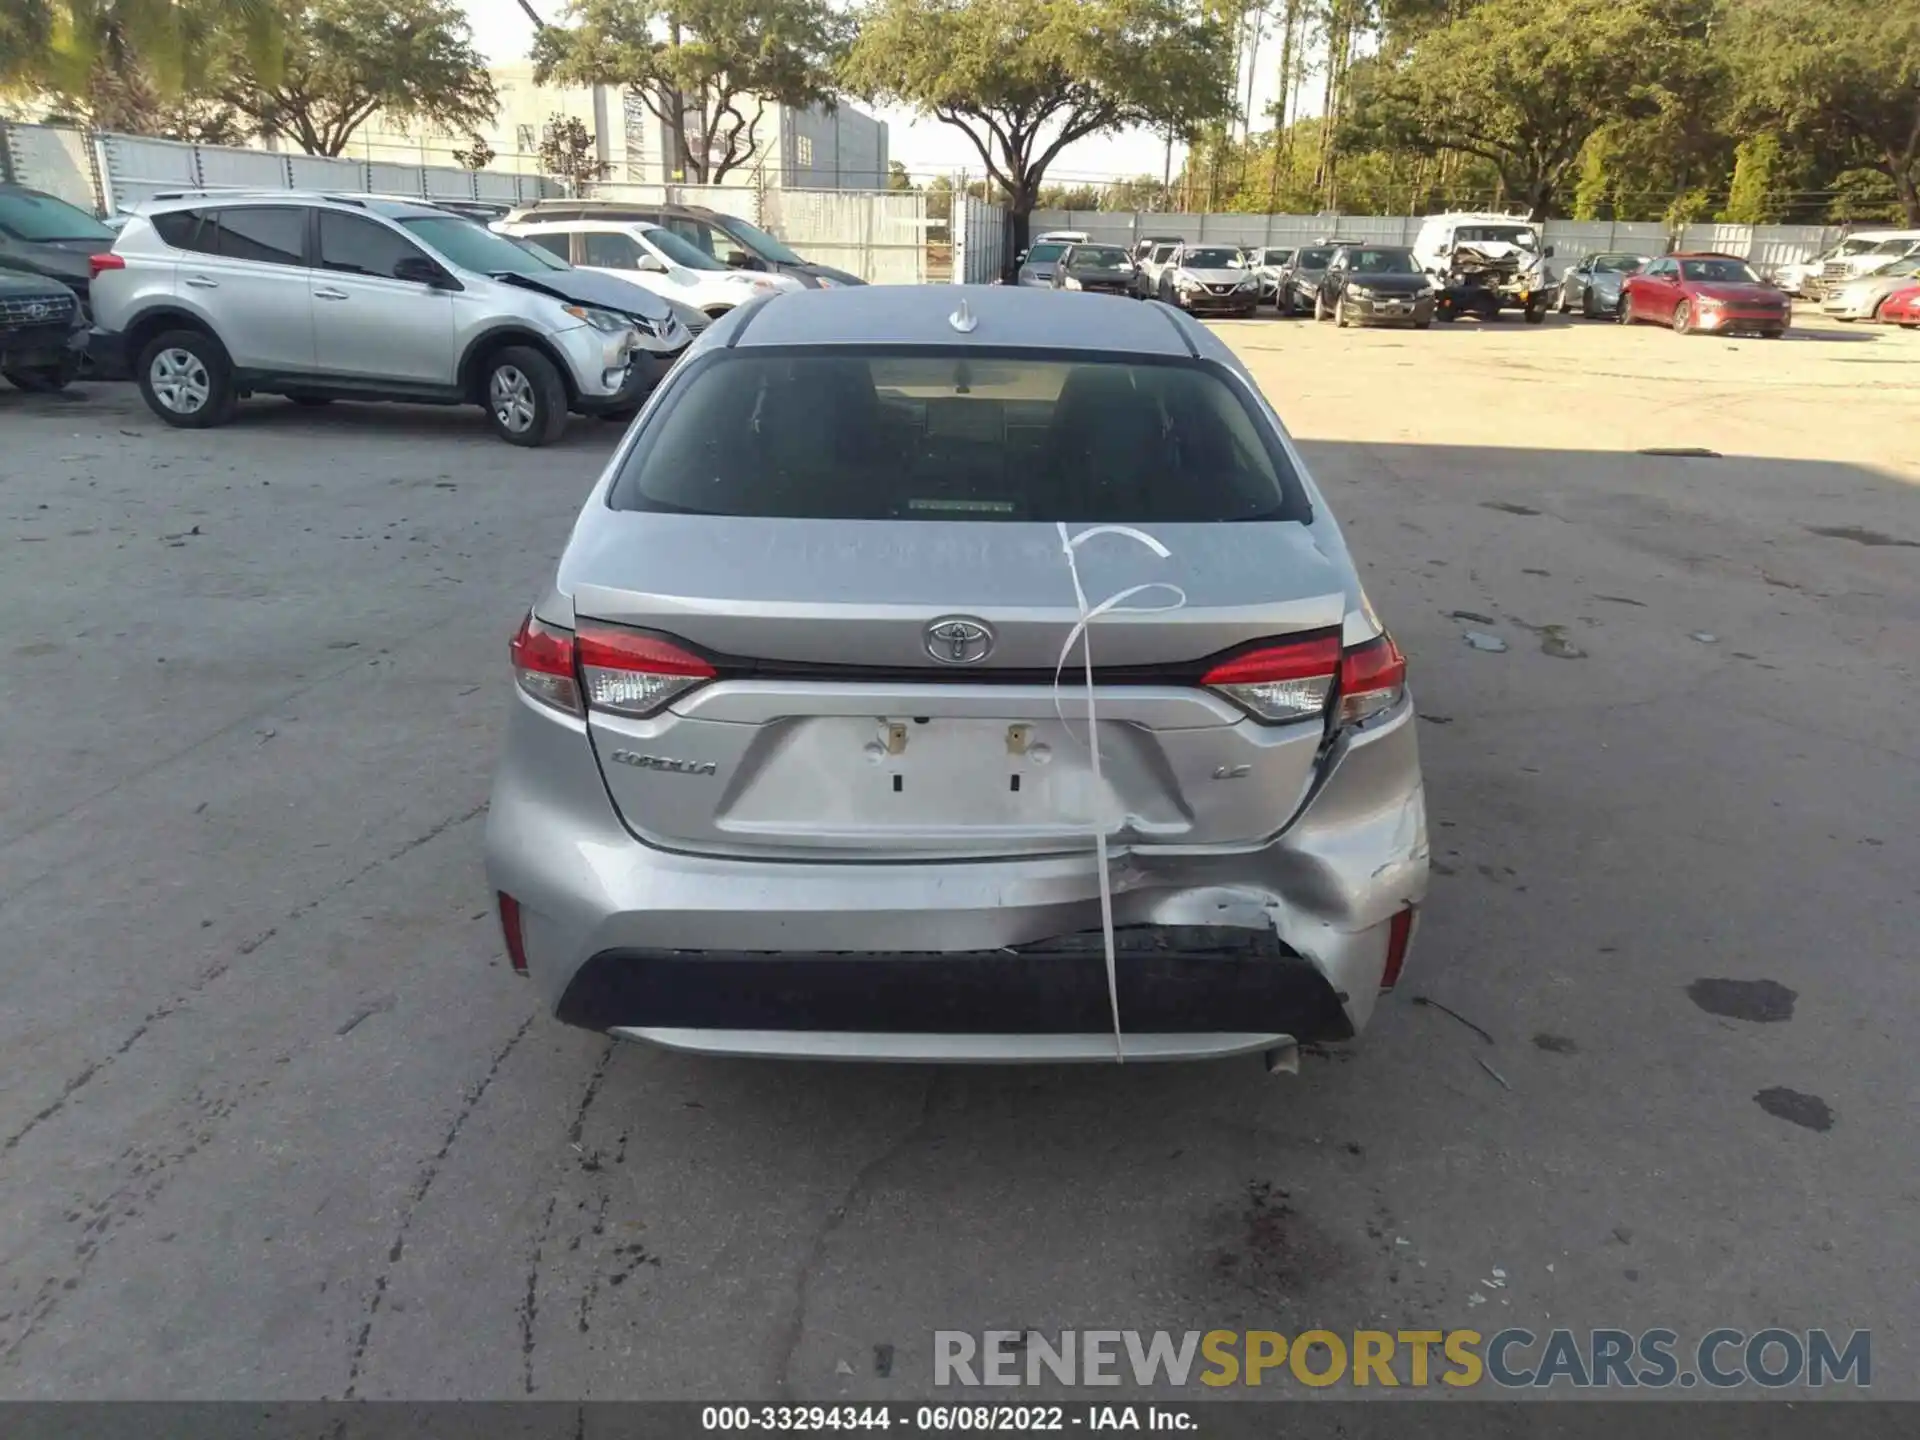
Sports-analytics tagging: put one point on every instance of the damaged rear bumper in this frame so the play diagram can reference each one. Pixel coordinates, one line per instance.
(1002, 961)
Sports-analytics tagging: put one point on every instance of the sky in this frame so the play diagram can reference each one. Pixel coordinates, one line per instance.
(503, 34)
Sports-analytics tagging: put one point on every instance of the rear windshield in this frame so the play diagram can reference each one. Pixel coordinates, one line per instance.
(1099, 257)
(31, 216)
(919, 435)
(1316, 258)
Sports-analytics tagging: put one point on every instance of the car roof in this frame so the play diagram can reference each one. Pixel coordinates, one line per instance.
(1004, 316)
(1704, 255)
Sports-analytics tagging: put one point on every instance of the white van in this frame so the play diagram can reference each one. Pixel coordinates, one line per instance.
(1495, 236)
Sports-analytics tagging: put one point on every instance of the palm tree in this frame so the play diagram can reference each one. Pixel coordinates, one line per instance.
(125, 64)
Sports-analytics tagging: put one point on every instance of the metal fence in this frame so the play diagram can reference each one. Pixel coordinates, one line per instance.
(979, 231)
(879, 235)
(107, 172)
(1765, 246)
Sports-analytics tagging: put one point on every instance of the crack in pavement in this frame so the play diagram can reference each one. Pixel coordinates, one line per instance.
(794, 1330)
(93, 1068)
(530, 1306)
(428, 1173)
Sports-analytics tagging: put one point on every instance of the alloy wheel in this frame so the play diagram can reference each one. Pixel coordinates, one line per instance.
(511, 395)
(180, 381)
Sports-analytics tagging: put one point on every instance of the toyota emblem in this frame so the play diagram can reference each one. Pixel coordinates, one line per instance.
(956, 640)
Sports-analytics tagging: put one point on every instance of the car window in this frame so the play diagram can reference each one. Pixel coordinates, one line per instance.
(681, 252)
(472, 246)
(1724, 272)
(557, 243)
(1099, 257)
(182, 229)
(1045, 251)
(361, 246)
(1163, 253)
(1891, 247)
(268, 234)
(610, 250)
(759, 242)
(1382, 262)
(30, 216)
(1617, 264)
(972, 435)
(1277, 257)
(1315, 259)
(1211, 257)
(1487, 234)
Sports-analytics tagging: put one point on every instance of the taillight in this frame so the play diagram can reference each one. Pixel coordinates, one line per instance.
(1295, 679)
(1399, 934)
(105, 262)
(1281, 682)
(543, 664)
(627, 672)
(1373, 677)
(511, 932)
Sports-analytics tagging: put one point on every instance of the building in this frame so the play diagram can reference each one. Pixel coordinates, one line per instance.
(814, 149)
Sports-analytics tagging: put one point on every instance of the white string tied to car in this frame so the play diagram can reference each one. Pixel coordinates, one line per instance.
(1082, 633)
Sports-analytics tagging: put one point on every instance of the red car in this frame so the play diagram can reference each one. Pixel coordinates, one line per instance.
(1700, 292)
(1902, 308)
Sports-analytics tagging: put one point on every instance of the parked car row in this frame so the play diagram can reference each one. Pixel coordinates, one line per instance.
(1460, 265)
(207, 297)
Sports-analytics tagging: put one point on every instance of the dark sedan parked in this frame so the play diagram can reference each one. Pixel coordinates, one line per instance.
(44, 235)
(1374, 285)
(1101, 269)
(1593, 286)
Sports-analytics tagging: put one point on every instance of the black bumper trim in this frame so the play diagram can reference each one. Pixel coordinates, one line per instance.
(1172, 980)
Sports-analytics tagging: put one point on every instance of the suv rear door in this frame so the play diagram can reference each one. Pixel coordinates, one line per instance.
(368, 323)
(246, 270)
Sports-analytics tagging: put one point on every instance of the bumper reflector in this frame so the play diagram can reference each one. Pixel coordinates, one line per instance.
(1399, 933)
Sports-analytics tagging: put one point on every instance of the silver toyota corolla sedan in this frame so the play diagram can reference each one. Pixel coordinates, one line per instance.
(895, 614)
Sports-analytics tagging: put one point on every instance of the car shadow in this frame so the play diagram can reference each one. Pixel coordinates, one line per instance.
(452, 424)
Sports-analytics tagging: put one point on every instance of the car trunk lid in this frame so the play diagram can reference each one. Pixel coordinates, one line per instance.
(838, 724)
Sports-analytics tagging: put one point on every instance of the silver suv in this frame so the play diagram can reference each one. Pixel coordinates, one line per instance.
(213, 297)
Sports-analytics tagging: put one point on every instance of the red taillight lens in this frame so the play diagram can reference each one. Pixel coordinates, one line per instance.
(543, 665)
(1399, 934)
(1373, 677)
(1281, 682)
(105, 262)
(510, 929)
(627, 672)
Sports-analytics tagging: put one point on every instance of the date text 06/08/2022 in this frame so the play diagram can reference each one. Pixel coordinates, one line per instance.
(947, 1419)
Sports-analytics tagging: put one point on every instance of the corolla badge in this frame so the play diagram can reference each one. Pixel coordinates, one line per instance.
(958, 640)
(665, 762)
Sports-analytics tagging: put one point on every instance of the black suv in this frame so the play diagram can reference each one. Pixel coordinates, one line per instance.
(727, 238)
(43, 331)
(42, 234)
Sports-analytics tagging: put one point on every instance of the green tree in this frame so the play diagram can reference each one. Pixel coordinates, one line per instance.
(707, 69)
(142, 66)
(1525, 84)
(478, 154)
(342, 61)
(897, 177)
(569, 150)
(1848, 71)
(1024, 79)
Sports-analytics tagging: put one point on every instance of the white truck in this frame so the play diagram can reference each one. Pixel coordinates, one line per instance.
(1482, 263)
(1864, 252)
